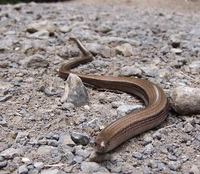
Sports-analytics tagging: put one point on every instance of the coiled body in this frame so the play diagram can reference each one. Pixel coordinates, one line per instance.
(132, 124)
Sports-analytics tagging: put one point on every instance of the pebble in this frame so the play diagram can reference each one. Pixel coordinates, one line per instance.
(125, 109)
(188, 128)
(45, 150)
(186, 100)
(124, 50)
(3, 122)
(21, 137)
(65, 139)
(23, 169)
(68, 106)
(68, 157)
(176, 50)
(3, 164)
(75, 91)
(78, 159)
(148, 150)
(10, 153)
(80, 138)
(138, 155)
(35, 61)
(98, 49)
(195, 67)
(39, 165)
(92, 167)
(130, 71)
(174, 165)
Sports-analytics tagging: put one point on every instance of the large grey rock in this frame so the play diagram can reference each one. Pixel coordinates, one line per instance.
(10, 153)
(186, 100)
(75, 91)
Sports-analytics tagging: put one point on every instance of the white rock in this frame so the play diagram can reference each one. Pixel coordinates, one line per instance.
(125, 109)
(124, 49)
(186, 100)
(10, 153)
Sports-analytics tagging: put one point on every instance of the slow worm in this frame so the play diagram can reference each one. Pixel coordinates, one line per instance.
(134, 123)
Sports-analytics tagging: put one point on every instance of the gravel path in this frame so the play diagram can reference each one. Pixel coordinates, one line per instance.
(40, 134)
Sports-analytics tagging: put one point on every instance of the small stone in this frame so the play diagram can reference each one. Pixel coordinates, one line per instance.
(175, 41)
(174, 165)
(23, 169)
(39, 165)
(130, 71)
(26, 160)
(3, 164)
(68, 106)
(68, 157)
(98, 49)
(65, 139)
(10, 153)
(3, 122)
(124, 50)
(45, 150)
(195, 67)
(78, 159)
(40, 26)
(138, 155)
(194, 170)
(157, 135)
(80, 138)
(125, 109)
(21, 137)
(75, 91)
(172, 157)
(188, 128)
(53, 143)
(176, 50)
(92, 167)
(96, 157)
(147, 139)
(35, 61)
(83, 153)
(186, 100)
(148, 149)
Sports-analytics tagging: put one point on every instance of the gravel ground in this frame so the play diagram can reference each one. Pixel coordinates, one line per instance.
(39, 134)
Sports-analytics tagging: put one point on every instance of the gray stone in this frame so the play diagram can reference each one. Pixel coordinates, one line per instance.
(75, 91)
(3, 164)
(176, 50)
(124, 50)
(21, 137)
(172, 157)
(68, 106)
(188, 128)
(3, 122)
(195, 67)
(174, 165)
(84, 153)
(91, 167)
(98, 49)
(38, 165)
(157, 135)
(53, 143)
(78, 159)
(147, 139)
(10, 153)
(45, 150)
(68, 157)
(65, 139)
(23, 169)
(130, 71)
(138, 155)
(80, 138)
(125, 109)
(148, 149)
(35, 61)
(186, 100)
(44, 25)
